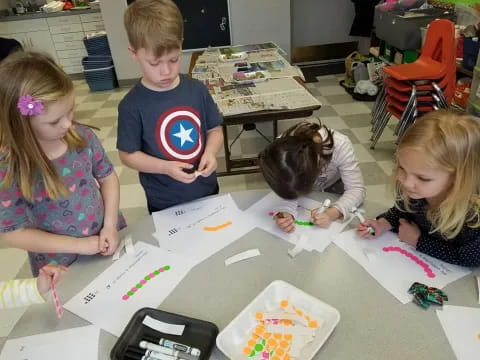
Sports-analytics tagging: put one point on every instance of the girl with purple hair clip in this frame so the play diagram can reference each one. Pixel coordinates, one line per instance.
(59, 193)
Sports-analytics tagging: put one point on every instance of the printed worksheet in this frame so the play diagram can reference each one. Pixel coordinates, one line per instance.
(262, 213)
(462, 328)
(129, 284)
(202, 228)
(74, 344)
(396, 265)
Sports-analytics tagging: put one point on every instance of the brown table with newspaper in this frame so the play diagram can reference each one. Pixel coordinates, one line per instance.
(276, 92)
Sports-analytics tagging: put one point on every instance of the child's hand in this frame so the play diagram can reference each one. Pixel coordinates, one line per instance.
(379, 226)
(285, 222)
(108, 240)
(321, 219)
(408, 232)
(174, 169)
(325, 218)
(89, 245)
(48, 275)
(208, 164)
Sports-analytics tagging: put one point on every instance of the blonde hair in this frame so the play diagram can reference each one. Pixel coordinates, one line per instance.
(155, 25)
(37, 75)
(451, 142)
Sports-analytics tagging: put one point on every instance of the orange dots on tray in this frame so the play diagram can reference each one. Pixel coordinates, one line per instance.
(279, 352)
(284, 344)
(286, 322)
(286, 357)
(277, 336)
(276, 358)
(251, 342)
(266, 335)
(284, 303)
(259, 330)
(288, 336)
(259, 316)
(313, 324)
(247, 350)
(272, 342)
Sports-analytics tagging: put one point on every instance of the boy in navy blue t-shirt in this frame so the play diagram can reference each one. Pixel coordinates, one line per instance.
(169, 128)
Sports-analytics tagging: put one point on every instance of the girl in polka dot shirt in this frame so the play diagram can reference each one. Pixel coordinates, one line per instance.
(437, 180)
(59, 194)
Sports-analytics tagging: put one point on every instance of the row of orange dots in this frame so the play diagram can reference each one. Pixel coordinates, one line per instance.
(311, 322)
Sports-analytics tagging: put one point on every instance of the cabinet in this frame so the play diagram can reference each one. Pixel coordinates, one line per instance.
(33, 35)
(61, 37)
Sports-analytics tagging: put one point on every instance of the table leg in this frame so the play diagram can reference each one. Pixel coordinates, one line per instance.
(226, 148)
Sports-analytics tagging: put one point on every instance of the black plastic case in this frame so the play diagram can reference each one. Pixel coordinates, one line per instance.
(198, 333)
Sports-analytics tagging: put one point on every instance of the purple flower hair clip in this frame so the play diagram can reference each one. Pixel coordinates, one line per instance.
(29, 105)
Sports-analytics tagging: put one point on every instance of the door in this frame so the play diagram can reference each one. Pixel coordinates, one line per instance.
(206, 23)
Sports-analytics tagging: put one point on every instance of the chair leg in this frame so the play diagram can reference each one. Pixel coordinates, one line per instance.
(382, 124)
(378, 101)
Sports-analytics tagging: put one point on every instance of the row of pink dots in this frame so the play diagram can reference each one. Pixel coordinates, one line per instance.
(408, 254)
(142, 282)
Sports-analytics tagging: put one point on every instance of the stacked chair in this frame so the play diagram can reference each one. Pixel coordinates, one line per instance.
(410, 90)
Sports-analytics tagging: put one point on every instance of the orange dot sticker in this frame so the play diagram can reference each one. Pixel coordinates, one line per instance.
(283, 344)
(284, 303)
(251, 342)
(277, 336)
(259, 316)
(313, 324)
(247, 350)
(288, 336)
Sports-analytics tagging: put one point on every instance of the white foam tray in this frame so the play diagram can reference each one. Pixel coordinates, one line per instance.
(233, 338)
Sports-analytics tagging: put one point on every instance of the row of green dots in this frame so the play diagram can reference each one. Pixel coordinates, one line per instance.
(142, 282)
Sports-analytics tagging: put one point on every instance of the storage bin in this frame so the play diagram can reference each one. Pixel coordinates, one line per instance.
(470, 53)
(97, 45)
(101, 79)
(402, 30)
(96, 62)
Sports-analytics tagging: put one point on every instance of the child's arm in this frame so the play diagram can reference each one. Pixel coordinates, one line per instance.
(464, 250)
(44, 242)
(208, 162)
(143, 162)
(17, 293)
(108, 237)
(351, 176)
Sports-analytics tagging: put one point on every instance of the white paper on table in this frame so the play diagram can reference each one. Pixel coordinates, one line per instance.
(204, 232)
(318, 238)
(462, 328)
(175, 218)
(74, 344)
(12, 260)
(106, 302)
(394, 270)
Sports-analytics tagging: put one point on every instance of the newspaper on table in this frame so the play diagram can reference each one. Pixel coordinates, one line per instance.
(279, 92)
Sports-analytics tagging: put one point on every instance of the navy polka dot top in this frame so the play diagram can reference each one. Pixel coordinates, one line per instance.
(462, 250)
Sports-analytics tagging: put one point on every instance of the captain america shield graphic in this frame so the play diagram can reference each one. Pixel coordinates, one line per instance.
(178, 134)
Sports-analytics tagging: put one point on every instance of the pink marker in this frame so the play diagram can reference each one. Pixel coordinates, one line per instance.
(56, 302)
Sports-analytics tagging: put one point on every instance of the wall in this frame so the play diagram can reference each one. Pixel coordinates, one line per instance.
(254, 21)
(319, 22)
(251, 21)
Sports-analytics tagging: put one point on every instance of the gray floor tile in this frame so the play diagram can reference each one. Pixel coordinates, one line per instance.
(338, 99)
(373, 174)
(359, 120)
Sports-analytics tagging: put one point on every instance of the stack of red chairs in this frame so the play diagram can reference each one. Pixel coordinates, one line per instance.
(428, 84)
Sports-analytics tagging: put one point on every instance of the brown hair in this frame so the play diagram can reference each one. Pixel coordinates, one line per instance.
(451, 142)
(37, 75)
(292, 163)
(155, 25)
